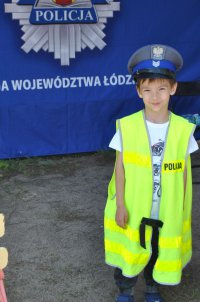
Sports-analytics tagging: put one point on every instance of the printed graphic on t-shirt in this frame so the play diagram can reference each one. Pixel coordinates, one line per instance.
(156, 189)
(156, 169)
(157, 150)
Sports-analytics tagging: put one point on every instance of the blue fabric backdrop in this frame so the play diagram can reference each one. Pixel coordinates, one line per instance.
(42, 120)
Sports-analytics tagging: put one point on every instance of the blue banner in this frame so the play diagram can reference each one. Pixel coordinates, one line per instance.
(33, 2)
(64, 82)
(26, 2)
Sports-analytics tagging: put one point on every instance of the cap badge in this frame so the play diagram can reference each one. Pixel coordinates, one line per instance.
(156, 63)
(64, 2)
(157, 52)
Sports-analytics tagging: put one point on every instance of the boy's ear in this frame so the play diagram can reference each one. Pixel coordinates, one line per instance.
(174, 87)
(138, 92)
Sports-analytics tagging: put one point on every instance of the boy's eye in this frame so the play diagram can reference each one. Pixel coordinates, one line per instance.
(146, 90)
(162, 88)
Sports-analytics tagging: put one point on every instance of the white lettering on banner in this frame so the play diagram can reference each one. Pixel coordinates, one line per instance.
(4, 86)
(63, 15)
(118, 80)
(70, 82)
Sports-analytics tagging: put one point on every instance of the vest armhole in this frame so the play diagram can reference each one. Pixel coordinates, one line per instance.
(120, 134)
(187, 153)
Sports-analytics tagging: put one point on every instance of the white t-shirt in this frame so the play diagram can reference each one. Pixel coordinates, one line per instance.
(157, 133)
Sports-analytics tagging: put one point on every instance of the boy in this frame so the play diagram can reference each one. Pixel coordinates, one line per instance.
(148, 211)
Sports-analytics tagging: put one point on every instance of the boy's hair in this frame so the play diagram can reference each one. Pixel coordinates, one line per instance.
(172, 82)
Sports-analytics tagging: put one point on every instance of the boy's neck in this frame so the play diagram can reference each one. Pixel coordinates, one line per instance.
(157, 118)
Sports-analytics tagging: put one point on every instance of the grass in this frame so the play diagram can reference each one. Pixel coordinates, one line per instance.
(39, 165)
(29, 166)
(20, 165)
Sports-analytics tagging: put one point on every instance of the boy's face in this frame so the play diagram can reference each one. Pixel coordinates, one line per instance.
(156, 94)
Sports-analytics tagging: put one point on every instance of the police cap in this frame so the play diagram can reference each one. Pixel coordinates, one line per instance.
(155, 61)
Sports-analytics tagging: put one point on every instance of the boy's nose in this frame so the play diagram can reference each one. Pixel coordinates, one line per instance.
(154, 95)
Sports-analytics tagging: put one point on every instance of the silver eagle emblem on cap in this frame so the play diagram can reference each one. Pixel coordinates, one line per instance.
(157, 52)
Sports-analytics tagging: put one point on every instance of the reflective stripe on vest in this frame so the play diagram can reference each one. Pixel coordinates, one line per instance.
(122, 247)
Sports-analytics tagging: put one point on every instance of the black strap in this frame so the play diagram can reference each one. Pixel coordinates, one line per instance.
(188, 88)
(151, 73)
(151, 222)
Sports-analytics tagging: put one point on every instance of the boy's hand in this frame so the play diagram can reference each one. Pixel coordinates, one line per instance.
(121, 216)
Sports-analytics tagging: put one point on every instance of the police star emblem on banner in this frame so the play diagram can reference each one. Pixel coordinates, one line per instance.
(62, 27)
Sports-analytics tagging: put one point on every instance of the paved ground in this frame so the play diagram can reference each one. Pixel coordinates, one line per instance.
(54, 233)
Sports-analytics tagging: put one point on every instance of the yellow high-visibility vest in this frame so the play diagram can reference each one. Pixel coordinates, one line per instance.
(122, 246)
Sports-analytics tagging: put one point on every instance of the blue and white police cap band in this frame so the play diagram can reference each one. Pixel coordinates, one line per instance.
(154, 61)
